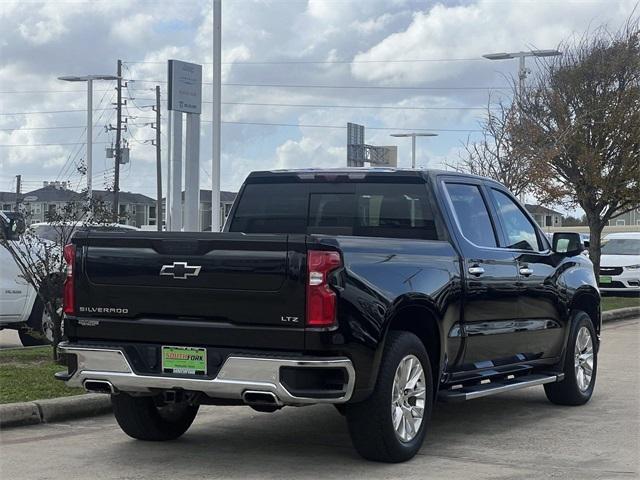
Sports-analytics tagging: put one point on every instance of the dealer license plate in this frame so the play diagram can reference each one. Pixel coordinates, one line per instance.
(184, 360)
(605, 279)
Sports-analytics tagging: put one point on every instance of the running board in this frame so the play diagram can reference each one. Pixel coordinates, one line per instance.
(497, 386)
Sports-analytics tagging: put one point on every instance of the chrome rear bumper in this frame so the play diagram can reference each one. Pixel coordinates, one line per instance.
(237, 375)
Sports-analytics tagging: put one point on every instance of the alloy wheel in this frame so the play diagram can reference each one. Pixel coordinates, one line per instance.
(583, 359)
(408, 398)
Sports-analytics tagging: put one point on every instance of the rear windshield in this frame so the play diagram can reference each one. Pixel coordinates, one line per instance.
(361, 209)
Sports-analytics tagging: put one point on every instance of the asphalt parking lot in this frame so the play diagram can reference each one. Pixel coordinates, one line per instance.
(515, 435)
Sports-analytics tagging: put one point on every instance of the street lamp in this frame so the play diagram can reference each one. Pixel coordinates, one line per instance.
(522, 71)
(89, 79)
(413, 142)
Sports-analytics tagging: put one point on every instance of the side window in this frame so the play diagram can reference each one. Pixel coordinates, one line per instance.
(472, 214)
(520, 232)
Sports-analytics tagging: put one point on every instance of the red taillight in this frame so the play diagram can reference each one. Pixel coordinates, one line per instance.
(68, 298)
(321, 300)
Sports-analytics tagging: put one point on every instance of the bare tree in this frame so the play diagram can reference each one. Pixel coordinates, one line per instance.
(40, 260)
(495, 155)
(580, 126)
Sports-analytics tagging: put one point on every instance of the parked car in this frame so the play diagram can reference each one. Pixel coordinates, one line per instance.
(20, 307)
(620, 263)
(378, 291)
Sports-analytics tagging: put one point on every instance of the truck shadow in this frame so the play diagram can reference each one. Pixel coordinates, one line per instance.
(243, 443)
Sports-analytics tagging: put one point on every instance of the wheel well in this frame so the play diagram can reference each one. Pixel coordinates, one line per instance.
(419, 321)
(589, 304)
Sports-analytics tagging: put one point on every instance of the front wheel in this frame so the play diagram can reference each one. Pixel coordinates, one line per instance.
(148, 418)
(391, 424)
(580, 365)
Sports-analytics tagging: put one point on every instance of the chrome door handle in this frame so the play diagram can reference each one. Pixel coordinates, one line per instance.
(526, 271)
(475, 270)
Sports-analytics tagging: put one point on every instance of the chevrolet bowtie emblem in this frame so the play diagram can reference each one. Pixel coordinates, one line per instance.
(180, 270)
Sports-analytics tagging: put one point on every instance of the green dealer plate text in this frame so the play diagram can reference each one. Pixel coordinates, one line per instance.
(185, 360)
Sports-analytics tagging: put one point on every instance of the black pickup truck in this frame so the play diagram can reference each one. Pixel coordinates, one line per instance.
(379, 291)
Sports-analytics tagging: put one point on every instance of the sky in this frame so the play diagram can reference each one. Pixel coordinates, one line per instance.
(294, 73)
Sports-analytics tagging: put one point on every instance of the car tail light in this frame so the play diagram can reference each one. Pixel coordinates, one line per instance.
(68, 298)
(321, 300)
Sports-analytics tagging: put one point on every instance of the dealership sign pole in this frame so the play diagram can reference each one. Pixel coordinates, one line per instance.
(185, 96)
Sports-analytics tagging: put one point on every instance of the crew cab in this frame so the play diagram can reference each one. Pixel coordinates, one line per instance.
(377, 290)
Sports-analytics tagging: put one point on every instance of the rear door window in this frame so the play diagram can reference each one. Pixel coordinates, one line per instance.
(472, 214)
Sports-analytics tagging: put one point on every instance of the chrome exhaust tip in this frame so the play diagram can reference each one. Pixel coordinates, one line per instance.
(258, 398)
(98, 386)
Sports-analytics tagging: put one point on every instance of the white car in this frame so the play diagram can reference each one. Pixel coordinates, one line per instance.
(20, 307)
(620, 263)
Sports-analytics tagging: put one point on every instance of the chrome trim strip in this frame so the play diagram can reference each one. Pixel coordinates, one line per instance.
(237, 375)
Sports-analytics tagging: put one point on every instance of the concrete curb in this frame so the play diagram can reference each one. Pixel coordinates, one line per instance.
(90, 404)
(54, 409)
(620, 314)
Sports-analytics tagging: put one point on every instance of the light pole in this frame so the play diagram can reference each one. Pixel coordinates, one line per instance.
(89, 79)
(413, 142)
(522, 70)
(216, 220)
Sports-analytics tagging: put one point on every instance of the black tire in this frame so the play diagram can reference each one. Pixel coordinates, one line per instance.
(142, 418)
(568, 392)
(370, 422)
(31, 334)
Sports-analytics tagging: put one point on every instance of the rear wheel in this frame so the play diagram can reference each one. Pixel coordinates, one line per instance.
(148, 418)
(391, 424)
(39, 327)
(580, 365)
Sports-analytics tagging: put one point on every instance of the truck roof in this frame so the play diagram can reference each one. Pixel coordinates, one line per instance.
(359, 172)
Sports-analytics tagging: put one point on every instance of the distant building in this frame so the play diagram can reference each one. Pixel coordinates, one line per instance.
(8, 200)
(629, 218)
(545, 217)
(135, 209)
(52, 197)
(226, 202)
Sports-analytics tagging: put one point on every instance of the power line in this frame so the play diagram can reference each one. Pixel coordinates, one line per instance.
(364, 87)
(46, 144)
(387, 107)
(43, 128)
(328, 62)
(49, 91)
(52, 111)
(294, 105)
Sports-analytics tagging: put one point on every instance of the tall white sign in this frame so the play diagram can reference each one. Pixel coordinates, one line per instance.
(185, 96)
(185, 87)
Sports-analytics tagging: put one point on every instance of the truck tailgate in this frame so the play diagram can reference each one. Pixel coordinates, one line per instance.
(228, 281)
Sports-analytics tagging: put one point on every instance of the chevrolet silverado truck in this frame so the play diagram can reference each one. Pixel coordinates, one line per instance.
(377, 290)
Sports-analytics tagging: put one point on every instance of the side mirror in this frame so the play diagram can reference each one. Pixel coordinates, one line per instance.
(586, 244)
(567, 243)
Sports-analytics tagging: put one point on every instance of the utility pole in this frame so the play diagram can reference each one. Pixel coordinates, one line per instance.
(118, 152)
(18, 188)
(158, 163)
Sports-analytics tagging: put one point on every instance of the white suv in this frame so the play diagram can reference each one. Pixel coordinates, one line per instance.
(620, 263)
(20, 307)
